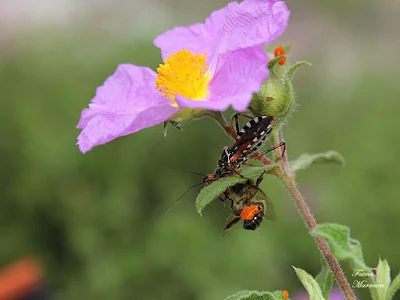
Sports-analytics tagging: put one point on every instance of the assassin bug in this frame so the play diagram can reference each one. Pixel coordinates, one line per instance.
(249, 203)
(248, 140)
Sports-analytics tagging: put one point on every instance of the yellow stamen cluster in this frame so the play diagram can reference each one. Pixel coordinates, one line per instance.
(185, 74)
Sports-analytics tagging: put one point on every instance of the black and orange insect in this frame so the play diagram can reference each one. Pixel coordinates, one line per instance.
(248, 141)
(248, 203)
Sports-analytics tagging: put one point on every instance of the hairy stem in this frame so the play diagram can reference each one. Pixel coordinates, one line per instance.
(284, 174)
(284, 162)
(311, 224)
(217, 116)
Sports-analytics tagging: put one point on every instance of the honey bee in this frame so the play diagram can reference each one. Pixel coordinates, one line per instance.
(248, 203)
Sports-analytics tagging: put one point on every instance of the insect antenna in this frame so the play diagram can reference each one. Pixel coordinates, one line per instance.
(172, 205)
(188, 171)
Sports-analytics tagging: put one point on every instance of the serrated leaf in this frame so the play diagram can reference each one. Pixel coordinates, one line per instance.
(310, 284)
(209, 193)
(306, 160)
(345, 248)
(342, 246)
(394, 287)
(357, 249)
(279, 295)
(325, 279)
(255, 295)
(382, 279)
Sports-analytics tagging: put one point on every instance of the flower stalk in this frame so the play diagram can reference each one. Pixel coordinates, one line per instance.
(217, 116)
(284, 174)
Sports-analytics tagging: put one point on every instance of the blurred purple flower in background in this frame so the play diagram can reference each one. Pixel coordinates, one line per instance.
(214, 65)
(336, 294)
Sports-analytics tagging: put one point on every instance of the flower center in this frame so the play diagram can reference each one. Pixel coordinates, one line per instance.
(185, 74)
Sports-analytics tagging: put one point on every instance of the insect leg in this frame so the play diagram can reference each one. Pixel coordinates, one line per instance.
(231, 224)
(235, 117)
(284, 148)
(260, 178)
(237, 172)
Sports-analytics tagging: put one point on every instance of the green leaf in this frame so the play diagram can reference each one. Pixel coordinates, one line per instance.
(342, 246)
(382, 279)
(279, 295)
(209, 193)
(312, 287)
(290, 71)
(255, 295)
(394, 287)
(325, 279)
(306, 160)
(345, 248)
(274, 61)
(287, 48)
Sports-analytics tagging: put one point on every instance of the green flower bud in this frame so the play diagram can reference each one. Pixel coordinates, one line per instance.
(181, 116)
(187, 114)
(276, 96)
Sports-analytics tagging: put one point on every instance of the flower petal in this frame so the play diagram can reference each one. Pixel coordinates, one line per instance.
(127, 102)
(198, 38)
(240, 75)
(253, 23)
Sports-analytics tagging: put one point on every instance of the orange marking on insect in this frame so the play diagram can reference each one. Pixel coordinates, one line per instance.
(235, 157)
(248, 212)
(278, 52)
(285, 294)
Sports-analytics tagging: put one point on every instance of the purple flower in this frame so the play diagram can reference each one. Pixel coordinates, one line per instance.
(335, 294)
(214, 65)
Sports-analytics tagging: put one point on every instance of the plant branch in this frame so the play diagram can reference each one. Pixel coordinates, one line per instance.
(284, 174)
(217, 116)
(311, 224)
(284, 157)
(266, 161)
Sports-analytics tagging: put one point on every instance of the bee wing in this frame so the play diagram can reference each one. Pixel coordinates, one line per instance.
(269, 211)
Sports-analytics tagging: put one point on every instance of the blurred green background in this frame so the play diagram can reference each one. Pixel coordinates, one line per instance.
(97, 220)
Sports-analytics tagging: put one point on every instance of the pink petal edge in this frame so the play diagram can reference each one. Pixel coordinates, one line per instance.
(126, 103)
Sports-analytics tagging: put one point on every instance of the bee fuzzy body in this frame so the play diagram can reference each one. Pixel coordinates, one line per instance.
(248, 203)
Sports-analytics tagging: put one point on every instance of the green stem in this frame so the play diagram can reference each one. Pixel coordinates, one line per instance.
(284, 174)
(217, 116)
